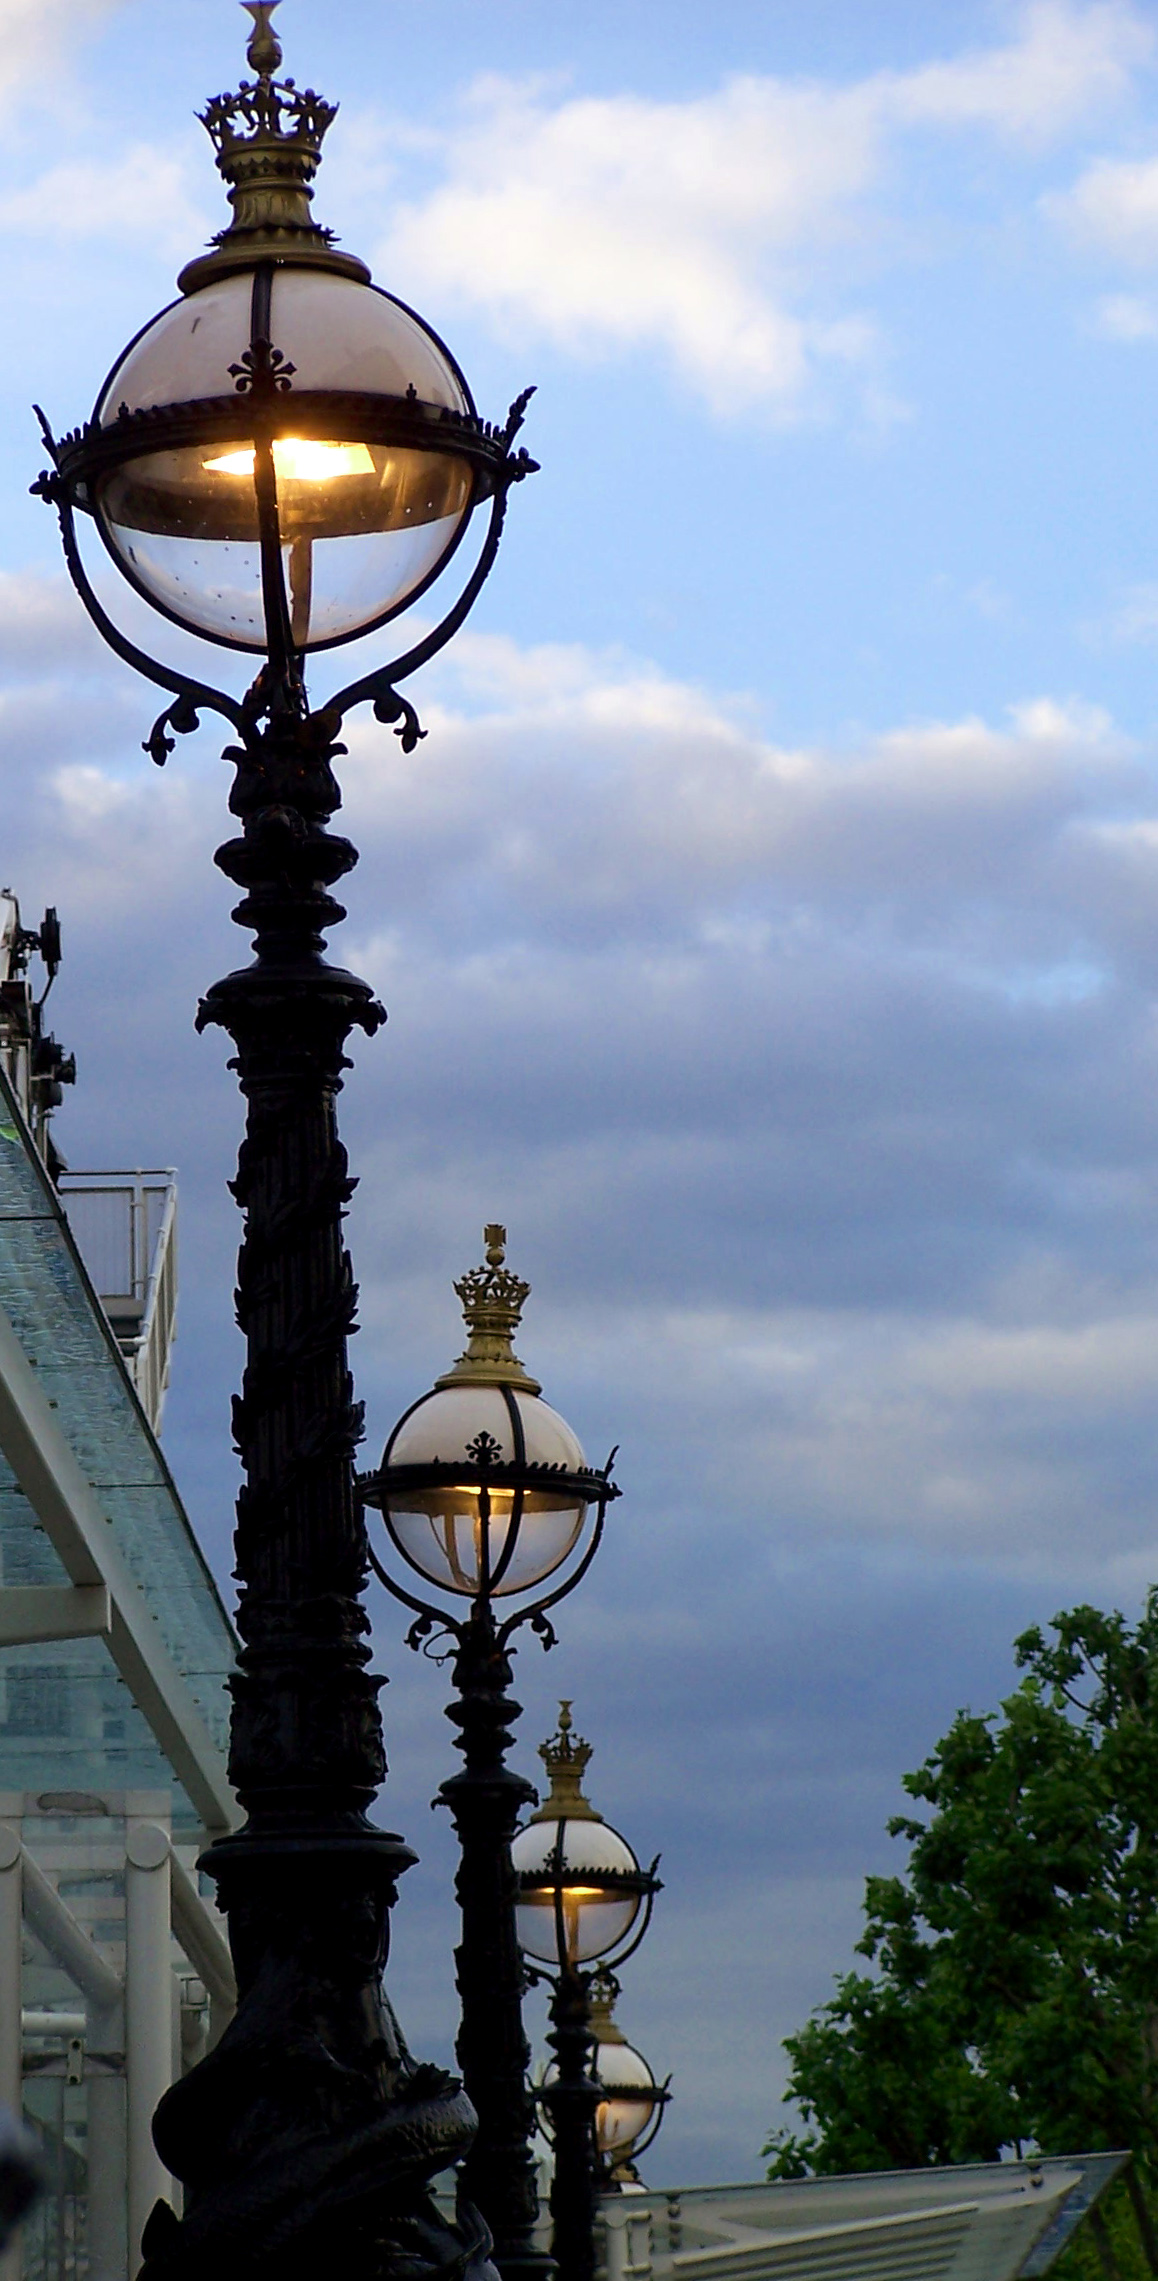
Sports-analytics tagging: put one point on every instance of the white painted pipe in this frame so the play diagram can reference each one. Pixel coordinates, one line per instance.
(106, 2237)
(66, 1941)
(107, 2180)
(65, 2024)
(205, 1947)
(11, 2039)
(148, 2019)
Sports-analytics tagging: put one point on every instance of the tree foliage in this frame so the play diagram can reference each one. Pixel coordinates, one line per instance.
(1013, 1995)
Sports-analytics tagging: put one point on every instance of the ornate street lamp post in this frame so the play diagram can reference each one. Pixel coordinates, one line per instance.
(631, 2102)
(486, 1497)
(281, 461)
(583, 1899)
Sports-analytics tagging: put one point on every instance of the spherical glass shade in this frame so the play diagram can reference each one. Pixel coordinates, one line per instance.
(596, 1914)
(440, 1526)
(631, 2087)
(363, 524)
(627, 2078)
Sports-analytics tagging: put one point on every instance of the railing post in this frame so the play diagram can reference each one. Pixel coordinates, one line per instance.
(11, 1945)
(107, 2149)
(148, 2016)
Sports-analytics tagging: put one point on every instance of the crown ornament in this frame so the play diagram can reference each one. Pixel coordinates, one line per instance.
(565, 1758)
(268, 138)
(492, 1305)
(602, 1998)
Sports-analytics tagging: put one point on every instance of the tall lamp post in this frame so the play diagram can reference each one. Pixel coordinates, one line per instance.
(280, 462)
(583, 1899)
(487, 1498)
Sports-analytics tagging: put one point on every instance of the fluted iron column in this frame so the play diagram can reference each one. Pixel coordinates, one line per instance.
(486, 1799)
(571, 2099)
(309, 2132)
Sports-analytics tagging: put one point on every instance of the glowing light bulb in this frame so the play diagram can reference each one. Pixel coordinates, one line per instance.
(296, 459)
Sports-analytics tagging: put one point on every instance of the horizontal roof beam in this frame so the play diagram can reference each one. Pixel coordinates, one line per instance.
(30, 1613)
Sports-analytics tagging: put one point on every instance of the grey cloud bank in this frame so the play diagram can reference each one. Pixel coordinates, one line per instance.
(816, 1089)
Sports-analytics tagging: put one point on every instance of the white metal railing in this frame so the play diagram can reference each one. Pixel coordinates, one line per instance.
(125, 1225)
(978, 2222)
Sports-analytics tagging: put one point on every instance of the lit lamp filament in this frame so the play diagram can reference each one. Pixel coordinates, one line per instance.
(501, 1503)
(297, 460)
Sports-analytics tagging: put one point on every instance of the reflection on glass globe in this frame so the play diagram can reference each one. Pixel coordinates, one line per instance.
(619, 2119)
(439, 1527)
(595, 1914)
(621, 2116)
(363, 524)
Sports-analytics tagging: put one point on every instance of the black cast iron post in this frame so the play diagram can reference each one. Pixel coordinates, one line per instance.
(486, 1799)
(309, 2132)
(571, 2099)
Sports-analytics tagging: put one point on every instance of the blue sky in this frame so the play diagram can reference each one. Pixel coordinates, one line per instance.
(768, 924)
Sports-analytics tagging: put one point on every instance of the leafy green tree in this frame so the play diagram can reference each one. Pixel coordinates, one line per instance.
(1013, 2000)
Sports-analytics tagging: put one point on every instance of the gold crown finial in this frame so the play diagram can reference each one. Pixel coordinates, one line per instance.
(602, 1997)
(268, 138)
(565, 1757)
(492, 1305)
(264, 51)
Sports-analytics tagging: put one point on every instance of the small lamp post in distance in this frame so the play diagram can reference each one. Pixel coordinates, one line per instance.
(583, 1899)
(631, 2104)
(486, 1497)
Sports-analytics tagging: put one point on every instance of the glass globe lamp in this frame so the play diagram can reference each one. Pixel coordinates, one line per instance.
(629, 2113)
(483, 1487)
(631, 2110)
(286, 450)
(580, 1887)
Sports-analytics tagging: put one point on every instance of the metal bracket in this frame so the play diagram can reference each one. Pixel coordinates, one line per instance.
(192, 697)
(379, 685)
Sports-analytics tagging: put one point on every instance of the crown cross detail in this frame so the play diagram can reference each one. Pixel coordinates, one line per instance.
(268, 138)
(265, 108)
(492, 1304)
(565, 1757)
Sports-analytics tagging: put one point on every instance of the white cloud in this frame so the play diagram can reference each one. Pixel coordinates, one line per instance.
(1064, 63)
(834, 1181)
(1113, 208)
(1126, 317)
(1133, 618)
(704, 806)
(838, 1051)
(141, 198)
(37, 33)
(615, 224)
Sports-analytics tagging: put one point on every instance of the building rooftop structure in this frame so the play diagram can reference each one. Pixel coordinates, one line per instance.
(996, 2221)
(115, 1652)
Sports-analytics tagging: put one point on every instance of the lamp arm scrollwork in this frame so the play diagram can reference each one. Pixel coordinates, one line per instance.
(639, 1932)
(191, 698)
(536, 1614)
(661, 2099)
(429, 1620)
(379, 686)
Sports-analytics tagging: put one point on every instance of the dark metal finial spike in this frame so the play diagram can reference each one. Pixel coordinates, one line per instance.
(264, 51)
